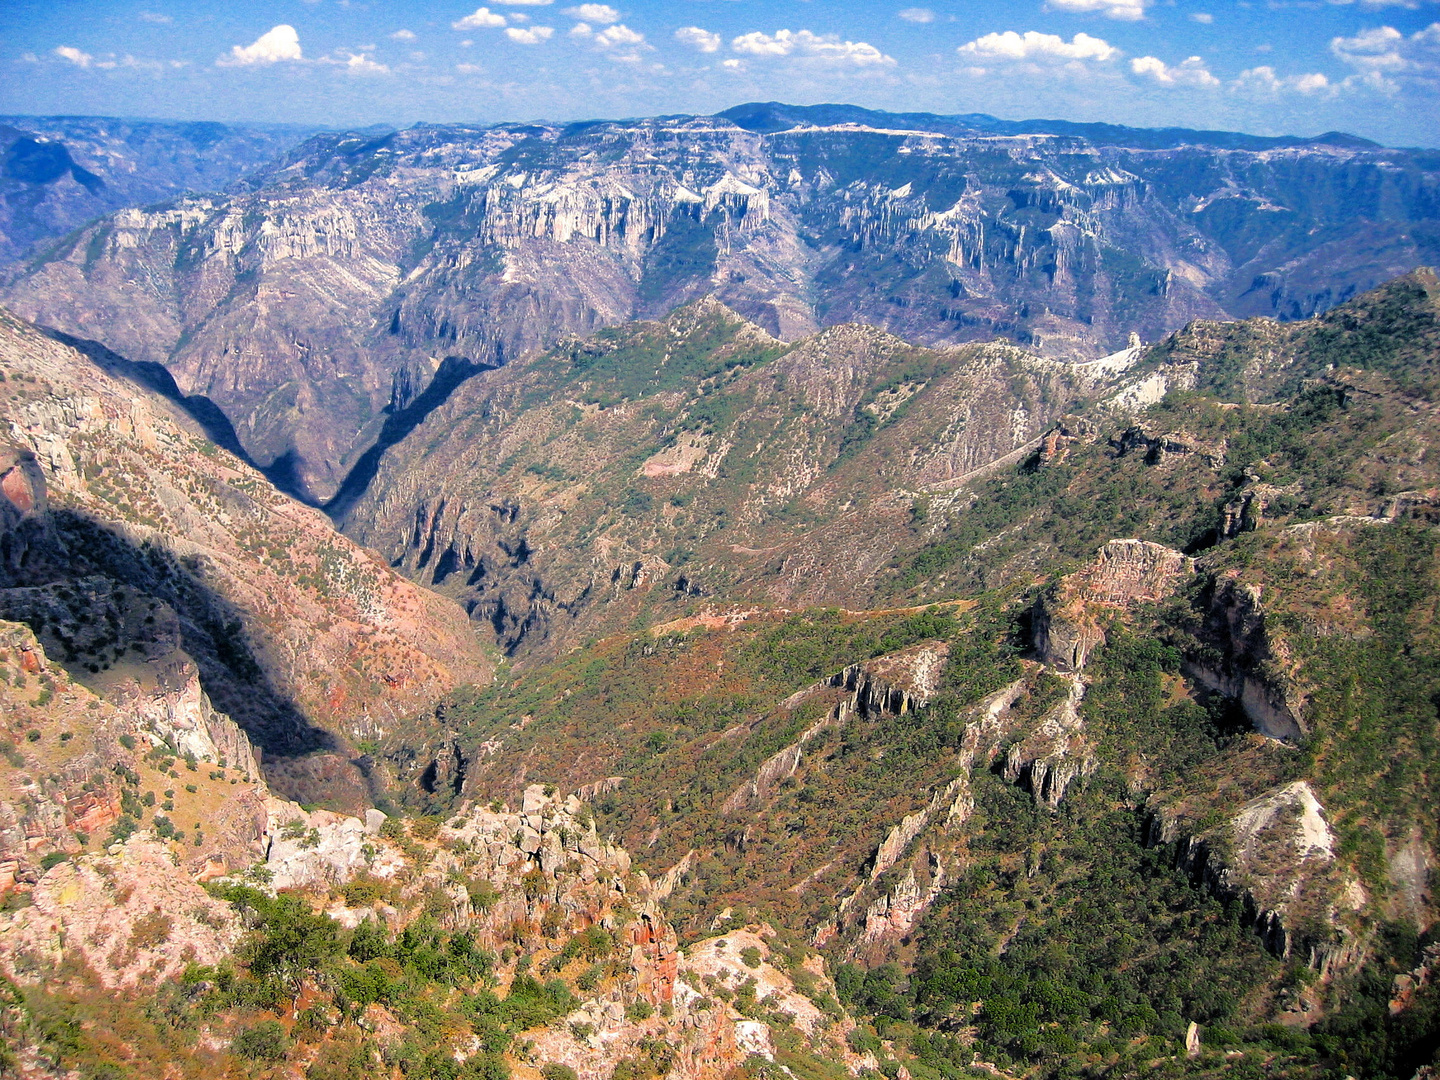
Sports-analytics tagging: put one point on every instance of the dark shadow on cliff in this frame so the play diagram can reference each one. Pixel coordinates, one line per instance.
(283, 472)
(65, 545)
(453, 371)
(157, 378)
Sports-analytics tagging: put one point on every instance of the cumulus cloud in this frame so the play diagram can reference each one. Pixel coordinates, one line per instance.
(917, 15)
(74, 55)
(276, 44)
(1033, 45)
(1379, 49)
(1202, 17)
(698, 38)
(803, 43)
(618, 35)
(1189, 72)
(1126, 10)
(1264, 80)
(529, 35)
(1382, 55)
(360, 64)
(595, 13)
(480, 18)
(403, 35)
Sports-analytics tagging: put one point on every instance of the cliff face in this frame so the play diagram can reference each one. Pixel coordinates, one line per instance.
(1068, 617)
(166, 574)
(336, 287)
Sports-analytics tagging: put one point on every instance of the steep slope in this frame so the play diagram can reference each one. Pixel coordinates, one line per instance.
(129, 535)
(60, 172)
(654, 469)
(1126, 803)
(327, 297)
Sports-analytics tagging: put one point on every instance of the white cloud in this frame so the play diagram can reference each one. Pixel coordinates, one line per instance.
(1382, 55)
(532, 35)
(74, 55)
(1190, 72)
(360, 64)
(276, 44)
(1377, 48)
(618, 35)
(595, 13)
(469, 69)
(581, 30)
(733, 65)
(917, 15)
(758, 44)
(1202, 17)
(155, 17)
(1263, 80)
(1371, 50)
(1127, 10)
(805, 44)
(403, 35)
(1033, 45)
(697, 38)
(480, 18)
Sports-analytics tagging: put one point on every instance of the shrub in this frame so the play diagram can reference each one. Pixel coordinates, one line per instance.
(151, 930)
(265, 1041)
(639, 1010)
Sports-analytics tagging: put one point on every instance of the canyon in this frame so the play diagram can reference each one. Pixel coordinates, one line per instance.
(801, 591)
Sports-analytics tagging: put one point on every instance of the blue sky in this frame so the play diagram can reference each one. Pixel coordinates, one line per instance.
(1371, 67)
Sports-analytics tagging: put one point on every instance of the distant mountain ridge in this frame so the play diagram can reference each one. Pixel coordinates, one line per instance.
(59, 172)
(770, 117)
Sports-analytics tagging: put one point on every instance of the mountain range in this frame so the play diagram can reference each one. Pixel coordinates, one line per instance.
(327, 293)
(800, 592)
